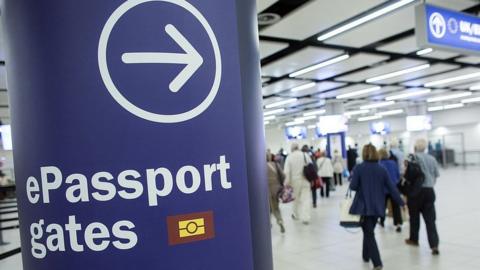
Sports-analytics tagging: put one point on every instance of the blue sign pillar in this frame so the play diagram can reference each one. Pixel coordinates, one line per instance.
(138, 134)
(442, 28)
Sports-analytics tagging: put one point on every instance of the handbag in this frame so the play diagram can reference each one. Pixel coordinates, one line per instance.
(286, 194)
(348, 220)
(309, 170)
(318, 183)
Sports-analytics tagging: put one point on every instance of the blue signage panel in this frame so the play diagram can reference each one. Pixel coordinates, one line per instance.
(136, 124)
(447, 29)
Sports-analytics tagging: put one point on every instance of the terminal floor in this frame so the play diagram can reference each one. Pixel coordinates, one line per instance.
(325, 245)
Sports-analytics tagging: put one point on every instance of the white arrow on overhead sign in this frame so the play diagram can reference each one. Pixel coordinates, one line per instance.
(191, 58)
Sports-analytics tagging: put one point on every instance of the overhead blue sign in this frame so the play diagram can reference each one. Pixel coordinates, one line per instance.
(138, 139)
(446, 29)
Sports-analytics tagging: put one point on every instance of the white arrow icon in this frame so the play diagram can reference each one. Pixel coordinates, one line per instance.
(191, 58)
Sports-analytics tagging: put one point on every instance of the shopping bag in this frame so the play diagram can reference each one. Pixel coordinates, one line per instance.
(348, 220)
(286, 194)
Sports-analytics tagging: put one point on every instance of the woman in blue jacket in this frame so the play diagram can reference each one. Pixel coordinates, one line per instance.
(370, 180)
(394, 173)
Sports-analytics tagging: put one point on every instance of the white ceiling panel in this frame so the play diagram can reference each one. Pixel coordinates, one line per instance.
(357, 61)
(319, 88)
(422, 81)
(381, 69)
(466, 86)
(346, 90)
(4, 113)
(298, 103)
(317, 16)
(268, 48)
(436, 68)
(3, 78)
(263, 4)
(280, 86)
(438, 54)
(402, 91)
(387, 90)
(404, 45)
(391, 24)
(301, 59)
(469, 59)
(3, 98)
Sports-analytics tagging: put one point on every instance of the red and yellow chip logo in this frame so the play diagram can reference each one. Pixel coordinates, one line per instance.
(189, 228)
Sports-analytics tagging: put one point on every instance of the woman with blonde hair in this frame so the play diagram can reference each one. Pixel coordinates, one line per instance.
(370, 180)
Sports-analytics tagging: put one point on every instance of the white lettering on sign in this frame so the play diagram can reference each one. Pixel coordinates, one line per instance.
(103, 186)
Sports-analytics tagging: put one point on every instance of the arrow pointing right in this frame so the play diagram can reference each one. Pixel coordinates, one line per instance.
(191, 58)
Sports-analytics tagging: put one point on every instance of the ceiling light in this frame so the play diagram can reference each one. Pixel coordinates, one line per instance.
(471, 100)
(273, 112)
(280, 103)
(369, 118)
(303, 87)
(453, 79)
(435, 109)
(266, 123)
(312, 126)
(305, 118)
(268, 118)
(377, 105)
(410, 94)
(352, 113)
(397, 73)
(392, 112)
(425, 51)
(448, 97)
(320, 65)
(364, 19)
(294, 123)
(315, 112)
(475, 87)
(453, 106)
(359, 93)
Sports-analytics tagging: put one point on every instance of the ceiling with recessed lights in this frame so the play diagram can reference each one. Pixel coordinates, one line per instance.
(362, 53)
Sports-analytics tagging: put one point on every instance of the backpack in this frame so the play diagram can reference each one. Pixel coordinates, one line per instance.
(414, 178)
(309, 170)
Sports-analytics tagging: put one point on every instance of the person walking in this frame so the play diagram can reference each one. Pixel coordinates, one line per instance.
(325, 171)
(313, 188)
(424, 202)
(275, 183)
(370, 180)
(294, 164)
(394, 173)
(338, 167)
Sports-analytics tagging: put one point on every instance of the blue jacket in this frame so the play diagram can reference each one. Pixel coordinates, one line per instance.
(392, 170)
(369, 181)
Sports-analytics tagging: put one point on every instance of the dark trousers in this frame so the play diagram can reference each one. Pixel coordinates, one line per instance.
(327, 181)
(397, 212)
(423, 203)
(314, 196)
(337, 179)
(370, 248)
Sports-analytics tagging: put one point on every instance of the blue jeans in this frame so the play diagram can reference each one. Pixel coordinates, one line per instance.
(370, 248)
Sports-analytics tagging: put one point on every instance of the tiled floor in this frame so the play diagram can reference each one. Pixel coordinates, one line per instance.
(325, 245)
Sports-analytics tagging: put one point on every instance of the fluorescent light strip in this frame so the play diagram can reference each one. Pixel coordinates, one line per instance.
(475, 87)
(407, 95)
(397, 73)
(369, 118)
(280, 103)
(454, 96)
(315, 113)
(352, 113)
(435, 109)
(425, 51)
(294, 123)
(277, 111)
(471, 100)
(300, 119)
(312, 127)
(377, 105)
(392, 112)
(453, 106)
(364, 19)
(320, 65)
(303, 87)
(268, 118)
(359, 93)
(453, 79)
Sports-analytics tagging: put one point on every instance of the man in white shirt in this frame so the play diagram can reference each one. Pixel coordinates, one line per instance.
(294, 165)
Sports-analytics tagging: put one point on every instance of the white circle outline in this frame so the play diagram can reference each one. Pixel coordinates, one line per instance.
(126, 104)
(434, 33)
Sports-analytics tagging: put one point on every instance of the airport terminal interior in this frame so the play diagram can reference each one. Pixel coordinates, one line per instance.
(336, 76)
